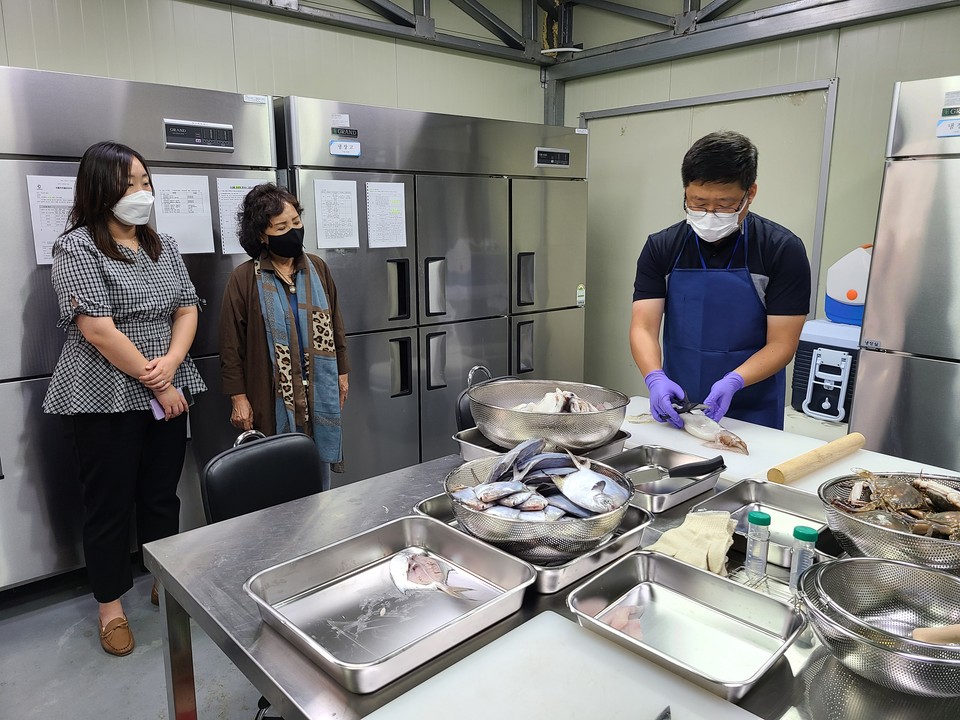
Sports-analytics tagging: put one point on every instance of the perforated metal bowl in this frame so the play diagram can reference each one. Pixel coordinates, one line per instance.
(492, 403)
(537, 542)
(861, 539)
(867, 653)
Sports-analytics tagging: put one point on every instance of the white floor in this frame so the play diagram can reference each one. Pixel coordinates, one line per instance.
(52, 666)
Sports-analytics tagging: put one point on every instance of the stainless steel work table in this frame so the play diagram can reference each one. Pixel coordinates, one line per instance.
(203, 571)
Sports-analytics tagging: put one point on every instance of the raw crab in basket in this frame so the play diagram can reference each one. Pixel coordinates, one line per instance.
(919, 506)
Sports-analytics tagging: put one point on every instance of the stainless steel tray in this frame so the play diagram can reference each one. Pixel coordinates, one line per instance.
(787, 508)
(648, 467)
(474, 444)
(552, 578)
(339, 606)
(705, 628)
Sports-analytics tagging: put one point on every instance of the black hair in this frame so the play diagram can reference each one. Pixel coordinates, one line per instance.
(102, 180)
(721, 157)
(262, 203)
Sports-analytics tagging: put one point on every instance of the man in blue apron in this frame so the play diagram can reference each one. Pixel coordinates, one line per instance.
(732, 290)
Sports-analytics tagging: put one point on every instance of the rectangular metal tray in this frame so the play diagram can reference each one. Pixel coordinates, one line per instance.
(339, 606)
(553, 578)
(657, 495)
(719, 635)
(787, 508)
(474, 444)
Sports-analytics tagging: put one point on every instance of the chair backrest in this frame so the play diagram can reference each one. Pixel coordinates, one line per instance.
(259, 474)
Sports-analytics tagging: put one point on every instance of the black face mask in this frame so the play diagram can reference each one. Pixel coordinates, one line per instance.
(288, 245)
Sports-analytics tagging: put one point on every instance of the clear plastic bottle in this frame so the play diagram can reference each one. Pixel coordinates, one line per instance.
(804, 542)
(758, 539)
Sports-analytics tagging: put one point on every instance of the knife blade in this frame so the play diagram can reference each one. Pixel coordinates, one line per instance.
(664, 714)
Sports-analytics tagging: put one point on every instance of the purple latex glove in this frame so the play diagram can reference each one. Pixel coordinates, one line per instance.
(722, 392)
(663, 391)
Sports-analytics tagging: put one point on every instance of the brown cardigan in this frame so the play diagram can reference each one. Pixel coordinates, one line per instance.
(245, 364)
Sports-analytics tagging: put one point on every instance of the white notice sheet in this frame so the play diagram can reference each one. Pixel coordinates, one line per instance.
(230, 195)
(51, 198)
(386, 215)
(336, 205)
(182, 209)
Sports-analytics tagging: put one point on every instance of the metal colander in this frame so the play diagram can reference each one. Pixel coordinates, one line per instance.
(492, 403)
(537, 542)
(889, 592)
(862, 539)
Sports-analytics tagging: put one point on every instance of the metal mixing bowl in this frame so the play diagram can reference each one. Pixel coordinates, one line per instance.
(862, 539)
(884, 600)
(537, 542)
(869, 657)
(492, 403)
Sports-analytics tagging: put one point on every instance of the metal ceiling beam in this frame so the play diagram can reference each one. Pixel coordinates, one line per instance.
(635, 13)
(422, 32)
(490, 22)
(736, 31)
(390, 11)
(717, 7)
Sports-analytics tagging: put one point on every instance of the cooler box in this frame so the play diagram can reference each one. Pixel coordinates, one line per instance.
(825, 369)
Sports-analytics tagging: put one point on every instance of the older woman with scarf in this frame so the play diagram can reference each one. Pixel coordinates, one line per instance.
(283, 354)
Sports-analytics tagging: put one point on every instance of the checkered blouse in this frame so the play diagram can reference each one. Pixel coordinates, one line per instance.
(141, 297)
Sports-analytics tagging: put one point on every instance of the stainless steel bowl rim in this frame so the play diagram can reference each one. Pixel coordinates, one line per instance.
(834, 606)
(623, 402)
(812, 603)
(845, 478)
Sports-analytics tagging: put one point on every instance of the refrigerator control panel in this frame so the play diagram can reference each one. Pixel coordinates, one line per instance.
(551, 157)
(198, 135)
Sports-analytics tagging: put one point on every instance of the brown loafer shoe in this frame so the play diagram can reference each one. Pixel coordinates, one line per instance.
(155, 594)
(116, 638)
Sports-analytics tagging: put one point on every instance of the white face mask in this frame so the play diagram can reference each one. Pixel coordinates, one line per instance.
(134, 209)
(714, 227)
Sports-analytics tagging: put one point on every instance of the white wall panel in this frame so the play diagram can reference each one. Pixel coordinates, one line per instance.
(288, 57)
(461, 84)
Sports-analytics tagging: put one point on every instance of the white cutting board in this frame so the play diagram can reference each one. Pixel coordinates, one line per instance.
(550, 668)
(768, 447)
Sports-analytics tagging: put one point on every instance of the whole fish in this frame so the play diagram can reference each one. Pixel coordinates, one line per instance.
(411, 570)
(591, 490)
(703, 428)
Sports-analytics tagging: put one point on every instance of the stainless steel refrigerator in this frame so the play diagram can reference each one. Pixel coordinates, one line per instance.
(908, 381)
(425, 284)
(193, 137)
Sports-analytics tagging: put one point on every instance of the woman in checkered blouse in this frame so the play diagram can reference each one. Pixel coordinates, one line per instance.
(130, 314)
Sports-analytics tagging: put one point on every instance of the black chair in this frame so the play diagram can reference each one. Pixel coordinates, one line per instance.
(259, 474)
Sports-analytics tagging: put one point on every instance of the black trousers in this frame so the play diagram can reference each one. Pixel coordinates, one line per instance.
(126, 460)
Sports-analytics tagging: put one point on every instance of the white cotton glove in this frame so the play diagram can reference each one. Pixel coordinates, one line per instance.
(702, 540)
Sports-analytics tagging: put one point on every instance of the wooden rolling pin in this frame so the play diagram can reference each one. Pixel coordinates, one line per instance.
(942, 635)
(787, 472)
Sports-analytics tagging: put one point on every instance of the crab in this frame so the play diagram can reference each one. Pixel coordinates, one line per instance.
(942, 497)
(940, 524)
(888, 494)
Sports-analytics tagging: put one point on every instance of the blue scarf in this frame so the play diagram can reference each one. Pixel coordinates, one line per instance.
(321, 395)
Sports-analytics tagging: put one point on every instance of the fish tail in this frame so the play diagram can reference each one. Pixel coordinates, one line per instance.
(454, 591)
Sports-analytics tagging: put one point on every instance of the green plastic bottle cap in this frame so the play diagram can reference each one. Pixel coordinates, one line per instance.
(758, 518)
(804, 533)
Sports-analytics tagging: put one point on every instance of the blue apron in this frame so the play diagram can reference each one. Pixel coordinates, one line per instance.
(714, 321)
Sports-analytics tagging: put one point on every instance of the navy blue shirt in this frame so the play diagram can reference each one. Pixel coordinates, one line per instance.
(777, 261)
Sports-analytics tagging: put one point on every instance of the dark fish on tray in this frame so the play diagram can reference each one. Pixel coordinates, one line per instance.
(415, 571)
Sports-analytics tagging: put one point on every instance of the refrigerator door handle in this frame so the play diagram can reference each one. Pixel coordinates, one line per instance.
(435, 287)
(526, 288)
(436, 360)
(524, 357)
(401, 367)
(398, 281)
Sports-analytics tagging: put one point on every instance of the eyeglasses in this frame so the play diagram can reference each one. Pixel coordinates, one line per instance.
(724, 213)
